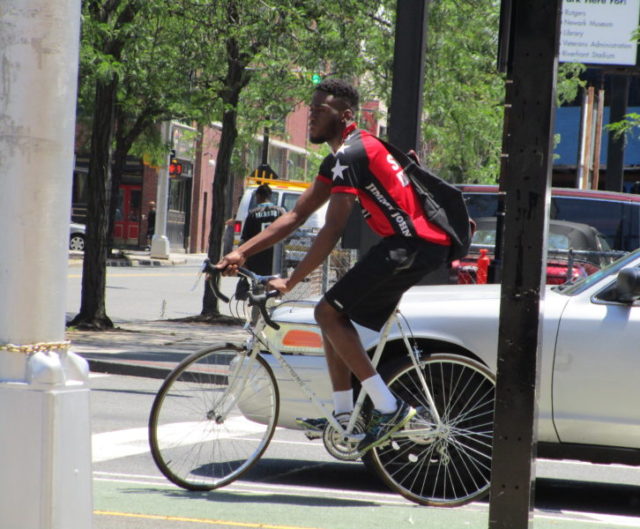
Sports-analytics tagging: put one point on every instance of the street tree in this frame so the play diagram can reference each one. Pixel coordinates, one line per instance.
(266, 49)
(134, 73)
(108, 26)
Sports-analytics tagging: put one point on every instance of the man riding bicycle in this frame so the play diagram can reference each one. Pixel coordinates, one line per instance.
(359, 168)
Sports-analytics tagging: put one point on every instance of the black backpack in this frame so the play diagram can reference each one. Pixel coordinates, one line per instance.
(443, 203)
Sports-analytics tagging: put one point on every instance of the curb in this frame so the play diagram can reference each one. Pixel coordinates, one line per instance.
(128, 261)
(127, 368)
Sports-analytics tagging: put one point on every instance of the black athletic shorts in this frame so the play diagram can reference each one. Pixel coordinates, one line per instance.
(370, 291)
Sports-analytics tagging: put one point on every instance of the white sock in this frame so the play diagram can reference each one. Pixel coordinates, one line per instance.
(379, 393)
(343, 401)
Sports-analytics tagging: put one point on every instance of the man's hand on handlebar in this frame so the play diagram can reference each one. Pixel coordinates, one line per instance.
(280, 284)
(230, 263)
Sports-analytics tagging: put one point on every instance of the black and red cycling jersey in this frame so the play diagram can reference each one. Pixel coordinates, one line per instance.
(363, 166)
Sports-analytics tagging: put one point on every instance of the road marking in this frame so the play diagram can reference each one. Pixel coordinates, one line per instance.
(392, 499)
(198, 520)
(612, 520)
(261, 489)
(134, 441)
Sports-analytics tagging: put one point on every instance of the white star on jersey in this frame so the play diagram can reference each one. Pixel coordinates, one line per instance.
(338, 170)
(342, 148)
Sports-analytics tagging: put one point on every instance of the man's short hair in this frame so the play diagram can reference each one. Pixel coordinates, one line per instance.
(263, 192)
(342, 90)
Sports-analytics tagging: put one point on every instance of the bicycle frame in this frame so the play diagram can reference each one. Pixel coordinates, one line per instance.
(259, 341)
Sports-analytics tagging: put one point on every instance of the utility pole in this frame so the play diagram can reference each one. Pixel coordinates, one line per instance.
(45, 482)
(405, 113)
(160, 246)
(531, 67)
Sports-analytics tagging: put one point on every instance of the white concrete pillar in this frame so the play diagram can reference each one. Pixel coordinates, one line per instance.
(160, 246)
(45, 455)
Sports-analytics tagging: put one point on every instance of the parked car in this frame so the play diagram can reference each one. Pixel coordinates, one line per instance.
(589, 361)
(615, 215)
(76, 237)
(574, 250)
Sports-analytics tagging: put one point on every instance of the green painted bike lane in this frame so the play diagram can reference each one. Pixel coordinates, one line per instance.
(135, 505)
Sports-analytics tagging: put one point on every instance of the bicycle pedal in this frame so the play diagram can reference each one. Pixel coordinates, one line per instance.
(311, 435)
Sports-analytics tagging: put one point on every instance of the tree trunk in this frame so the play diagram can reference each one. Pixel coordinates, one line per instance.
(220, 183)
(236, 79)
(94, 268)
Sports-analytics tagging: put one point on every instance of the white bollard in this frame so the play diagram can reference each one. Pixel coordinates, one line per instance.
(45, 454)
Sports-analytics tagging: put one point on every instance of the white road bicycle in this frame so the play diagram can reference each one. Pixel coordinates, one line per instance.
(216, 412)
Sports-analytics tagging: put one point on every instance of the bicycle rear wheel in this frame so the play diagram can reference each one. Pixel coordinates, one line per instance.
(449, 466)
(213, 417)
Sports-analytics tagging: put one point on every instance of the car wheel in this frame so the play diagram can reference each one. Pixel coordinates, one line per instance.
(76, 242)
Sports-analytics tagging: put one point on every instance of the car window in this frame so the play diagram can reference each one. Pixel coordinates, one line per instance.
(274, 199)
(607, 217)
(571, 288)
(557, 241)
(481, 205)
(289, 200)
(619, 222)
(487, 237)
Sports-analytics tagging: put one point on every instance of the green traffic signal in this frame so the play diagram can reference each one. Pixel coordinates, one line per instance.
(316, 78)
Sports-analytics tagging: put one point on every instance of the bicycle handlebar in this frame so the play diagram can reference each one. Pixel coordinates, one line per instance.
(259, 300)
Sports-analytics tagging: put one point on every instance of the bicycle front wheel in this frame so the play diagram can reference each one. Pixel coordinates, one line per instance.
(450, 464)
(213, 417)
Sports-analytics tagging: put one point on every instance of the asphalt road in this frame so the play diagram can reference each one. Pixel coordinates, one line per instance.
(298, 485)
(148, 293)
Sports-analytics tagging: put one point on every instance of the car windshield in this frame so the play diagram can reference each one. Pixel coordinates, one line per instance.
(572, 288)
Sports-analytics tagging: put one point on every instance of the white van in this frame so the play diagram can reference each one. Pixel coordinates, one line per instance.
(283, 193)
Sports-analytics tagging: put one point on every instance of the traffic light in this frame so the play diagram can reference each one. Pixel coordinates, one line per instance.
(175, 167)
(316, 79)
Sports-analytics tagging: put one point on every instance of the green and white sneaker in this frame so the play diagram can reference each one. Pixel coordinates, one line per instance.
(382, 425)
(312, 425)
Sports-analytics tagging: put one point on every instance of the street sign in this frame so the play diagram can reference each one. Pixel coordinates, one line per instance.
(599, 32)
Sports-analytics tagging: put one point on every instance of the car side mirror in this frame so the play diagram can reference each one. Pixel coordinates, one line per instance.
(628, 285)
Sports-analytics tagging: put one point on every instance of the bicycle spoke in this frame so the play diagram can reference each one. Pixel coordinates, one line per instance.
(210, 423)
(451, 464)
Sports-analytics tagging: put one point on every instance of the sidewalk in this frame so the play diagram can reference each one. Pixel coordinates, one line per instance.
(141, 258)
(148, 348)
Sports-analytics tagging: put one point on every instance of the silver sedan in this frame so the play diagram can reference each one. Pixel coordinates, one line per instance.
(590, 355)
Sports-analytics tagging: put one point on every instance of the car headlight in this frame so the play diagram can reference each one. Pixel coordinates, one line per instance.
(297, 338)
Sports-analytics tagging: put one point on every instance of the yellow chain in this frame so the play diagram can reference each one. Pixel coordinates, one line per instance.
(40, 347)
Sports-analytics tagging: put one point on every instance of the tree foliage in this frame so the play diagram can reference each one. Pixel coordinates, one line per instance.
(143, 62)
(247, 65)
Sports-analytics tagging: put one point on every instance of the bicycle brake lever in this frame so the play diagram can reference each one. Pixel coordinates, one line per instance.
(213, 283)
(260, 301)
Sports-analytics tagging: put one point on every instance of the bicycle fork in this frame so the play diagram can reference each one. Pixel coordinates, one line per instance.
(238, 376)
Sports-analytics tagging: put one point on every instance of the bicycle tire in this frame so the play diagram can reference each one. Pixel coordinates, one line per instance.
(451, 468)
(197, 443)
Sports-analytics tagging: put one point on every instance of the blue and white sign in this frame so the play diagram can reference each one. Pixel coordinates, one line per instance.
(599, 32)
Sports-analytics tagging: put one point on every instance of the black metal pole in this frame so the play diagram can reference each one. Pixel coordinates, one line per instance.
(408, 73)
(619, 96)
(264, 160)
(527, 179)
